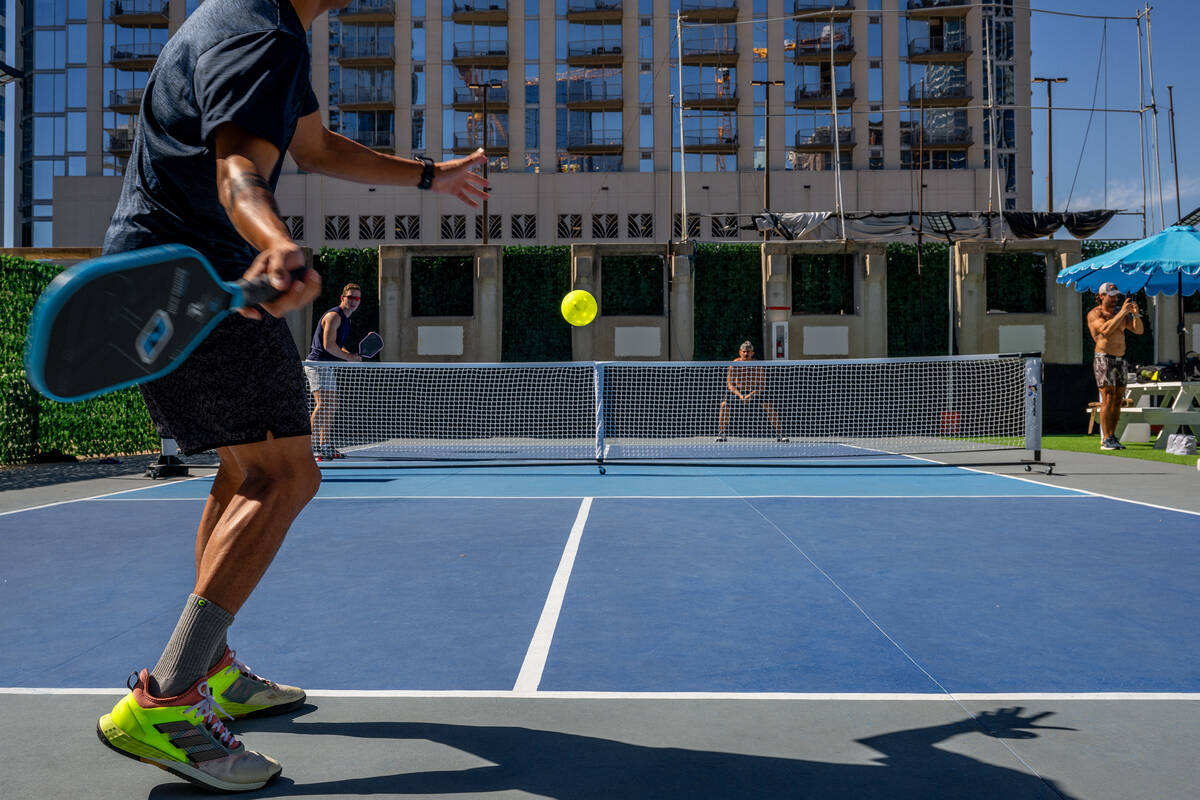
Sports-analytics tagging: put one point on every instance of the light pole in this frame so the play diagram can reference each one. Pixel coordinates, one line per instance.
(766, 145)
(1049, 138)
(483, 88)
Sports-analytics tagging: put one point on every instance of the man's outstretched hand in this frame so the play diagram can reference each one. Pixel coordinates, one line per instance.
(458, 178)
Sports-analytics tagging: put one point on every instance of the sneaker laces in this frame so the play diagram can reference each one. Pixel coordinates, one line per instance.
(209, 710)
(241, 667)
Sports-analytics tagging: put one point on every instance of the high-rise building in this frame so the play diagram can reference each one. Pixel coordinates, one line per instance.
(861, 95)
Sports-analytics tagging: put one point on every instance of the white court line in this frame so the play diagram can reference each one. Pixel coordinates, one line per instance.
(581, 695)
(109, 496)
(1055, 496)
(1081, 491)
(539, 647)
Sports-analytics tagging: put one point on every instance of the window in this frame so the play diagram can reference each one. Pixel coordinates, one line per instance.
(337, 228)
(495, 229)
(408, 227)
(570, 226)
(295, 226)
(693, 226)
(371, 227)
(823, 283)
(1016, 282)
(443, 286)
(725, 226)
(631, 285)
(640, 226)
(604, 226)
(454, 226)
(524, 226)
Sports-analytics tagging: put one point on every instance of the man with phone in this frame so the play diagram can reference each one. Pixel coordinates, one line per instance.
(1107, 323)
(230, 95)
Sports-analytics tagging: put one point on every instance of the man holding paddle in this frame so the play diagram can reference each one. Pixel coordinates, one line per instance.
(329, 344)
(227, 98)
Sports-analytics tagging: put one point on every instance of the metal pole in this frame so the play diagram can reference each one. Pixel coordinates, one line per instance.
(766, 145)
(671, 186)
(1174, 155)
(1050, 140)
(683, 237)
(485, 162)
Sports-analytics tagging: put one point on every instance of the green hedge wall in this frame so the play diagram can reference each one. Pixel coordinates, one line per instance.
(535, 281)
(727, 282)
(631, 285)
(823, 283)
(918, 318)
(33, 428)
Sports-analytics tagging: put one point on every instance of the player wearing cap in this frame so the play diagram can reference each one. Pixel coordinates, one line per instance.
(1107, 323)
(747, 387)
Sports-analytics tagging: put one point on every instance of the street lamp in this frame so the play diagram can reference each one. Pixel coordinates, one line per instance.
(767, 146)
(1049, 138)
(483, 88)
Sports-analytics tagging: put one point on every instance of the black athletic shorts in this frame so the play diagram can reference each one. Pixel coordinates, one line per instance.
(244, 380)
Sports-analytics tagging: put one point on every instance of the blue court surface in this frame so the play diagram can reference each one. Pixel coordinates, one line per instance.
(864, 579)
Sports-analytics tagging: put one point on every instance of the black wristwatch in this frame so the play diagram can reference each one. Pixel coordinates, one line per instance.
(426, 172)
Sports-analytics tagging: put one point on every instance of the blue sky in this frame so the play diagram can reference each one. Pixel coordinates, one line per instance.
(1071, 47)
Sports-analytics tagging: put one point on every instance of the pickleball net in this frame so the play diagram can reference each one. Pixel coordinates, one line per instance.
(613, 411)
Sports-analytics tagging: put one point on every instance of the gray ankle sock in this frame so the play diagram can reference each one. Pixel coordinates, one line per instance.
(188, 655)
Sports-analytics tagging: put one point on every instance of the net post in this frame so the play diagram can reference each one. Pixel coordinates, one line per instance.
(598, 382)
(1033, 405)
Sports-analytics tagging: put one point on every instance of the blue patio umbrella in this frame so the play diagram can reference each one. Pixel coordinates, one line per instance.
(1165, 263)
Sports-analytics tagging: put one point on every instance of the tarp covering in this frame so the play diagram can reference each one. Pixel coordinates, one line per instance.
(935, 225)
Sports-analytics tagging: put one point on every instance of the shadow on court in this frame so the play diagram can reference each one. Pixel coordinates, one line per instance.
(574, 767)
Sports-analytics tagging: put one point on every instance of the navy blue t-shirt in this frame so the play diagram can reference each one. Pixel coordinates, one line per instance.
(318, 351)
(240, 61)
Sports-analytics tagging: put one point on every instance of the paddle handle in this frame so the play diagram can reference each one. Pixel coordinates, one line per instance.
(257, 291)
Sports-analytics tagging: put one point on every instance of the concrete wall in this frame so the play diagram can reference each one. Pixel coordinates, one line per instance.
(444, 339)
(1056, 332)
(631, 338)
(862, 334)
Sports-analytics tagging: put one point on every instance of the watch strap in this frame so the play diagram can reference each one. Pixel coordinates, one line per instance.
(426, 172)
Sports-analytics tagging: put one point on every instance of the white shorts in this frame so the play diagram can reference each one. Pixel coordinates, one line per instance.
(320, 379)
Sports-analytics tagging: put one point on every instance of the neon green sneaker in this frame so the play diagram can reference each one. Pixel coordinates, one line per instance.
(242, 694)
(184, 736)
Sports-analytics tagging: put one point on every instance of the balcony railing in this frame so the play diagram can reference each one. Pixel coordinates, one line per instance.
(142, 51)
(368, 7)
(595, 90)
(957, 91)
(480, 49)
(698, 92)
(466, 6)
(707, 5)
(495, 94)
(823, 137)
(918, 5)
(841, 41)
(710, 47)
(119, 98)
(585, 6)
(466, 141)
(709, 139)
(823, 5)
(815, 94)
(380, 140)
(937, 137)
(120, 140)
(361, 95)
(364, 50)
(597, 137)
(139, 8)
(594, 47)
(939, 45)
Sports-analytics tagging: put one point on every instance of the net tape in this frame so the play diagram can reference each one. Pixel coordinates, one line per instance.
(672, 410)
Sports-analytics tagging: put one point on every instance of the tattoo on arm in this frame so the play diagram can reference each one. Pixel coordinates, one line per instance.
(248, 182)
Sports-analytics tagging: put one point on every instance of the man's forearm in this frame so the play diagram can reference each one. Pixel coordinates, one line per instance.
(347, 159)
(250, 204)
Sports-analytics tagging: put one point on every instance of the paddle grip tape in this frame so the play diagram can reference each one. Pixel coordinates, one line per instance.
(259, 290)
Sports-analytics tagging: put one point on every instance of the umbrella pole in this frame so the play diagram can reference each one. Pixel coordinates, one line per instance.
(1182, 345)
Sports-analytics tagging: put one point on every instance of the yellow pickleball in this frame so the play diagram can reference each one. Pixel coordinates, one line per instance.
(579, 308)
